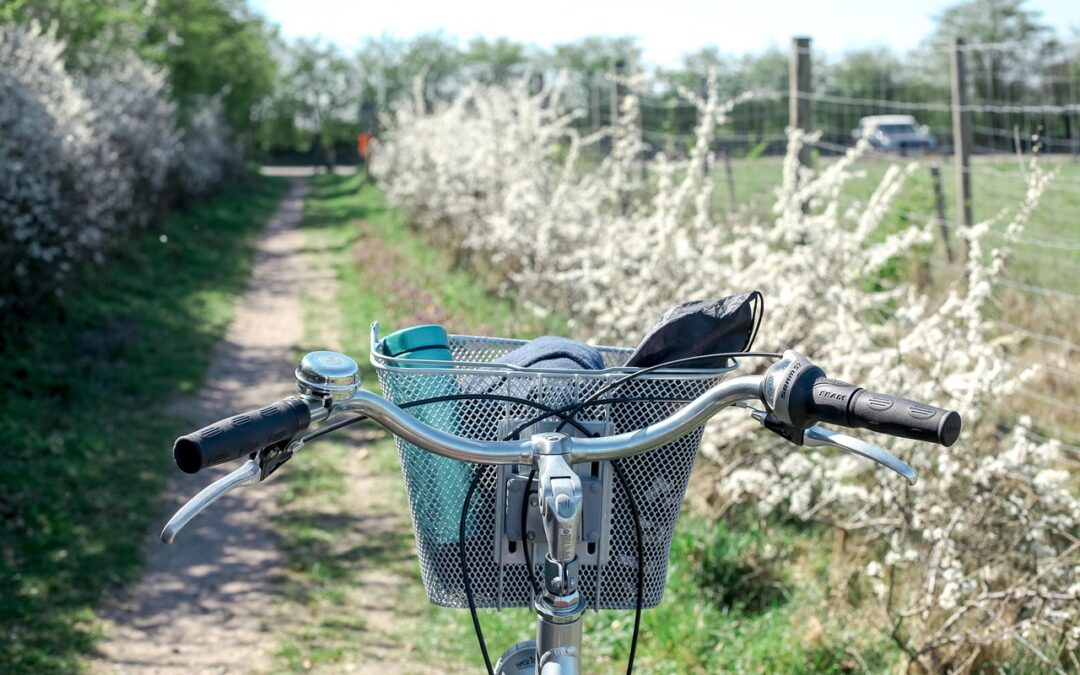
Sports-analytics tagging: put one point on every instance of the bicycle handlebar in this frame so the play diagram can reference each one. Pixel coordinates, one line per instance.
(794, 390)
(626, 444)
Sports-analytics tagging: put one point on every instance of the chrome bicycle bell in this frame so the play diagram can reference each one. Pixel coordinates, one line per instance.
(328, 375)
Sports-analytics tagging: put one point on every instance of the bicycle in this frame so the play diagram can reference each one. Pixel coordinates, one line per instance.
(555, 490)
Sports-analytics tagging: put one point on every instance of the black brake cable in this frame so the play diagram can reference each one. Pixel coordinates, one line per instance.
(588, 400)
(548, 412)
(466, 581)
(625, 484)
(593, 399)
(570, 411)
(330, 428)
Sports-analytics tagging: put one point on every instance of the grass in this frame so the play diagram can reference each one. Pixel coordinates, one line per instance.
(998, 186)
(742, 596)
(85, 436)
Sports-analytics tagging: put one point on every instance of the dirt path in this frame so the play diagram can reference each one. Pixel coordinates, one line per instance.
(203, 602)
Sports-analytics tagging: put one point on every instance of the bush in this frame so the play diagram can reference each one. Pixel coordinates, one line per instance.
(980, 554)
(58, 197)
(209, 155)
(86, 156)
(131, 100)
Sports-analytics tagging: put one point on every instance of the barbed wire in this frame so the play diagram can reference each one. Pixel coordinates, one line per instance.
(993, 107)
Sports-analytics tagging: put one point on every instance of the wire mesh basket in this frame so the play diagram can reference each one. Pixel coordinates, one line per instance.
(437, 485)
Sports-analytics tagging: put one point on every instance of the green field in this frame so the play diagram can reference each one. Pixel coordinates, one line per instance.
(1048, 254)
(81, 414)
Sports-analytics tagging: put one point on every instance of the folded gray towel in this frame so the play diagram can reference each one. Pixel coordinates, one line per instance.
(555, 352)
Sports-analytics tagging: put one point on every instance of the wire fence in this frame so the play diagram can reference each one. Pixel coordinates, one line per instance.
(1016, 108)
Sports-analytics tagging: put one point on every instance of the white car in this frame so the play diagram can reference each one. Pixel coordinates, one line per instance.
(895, 133)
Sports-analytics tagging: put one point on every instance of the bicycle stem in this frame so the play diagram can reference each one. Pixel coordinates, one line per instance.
(559, 606)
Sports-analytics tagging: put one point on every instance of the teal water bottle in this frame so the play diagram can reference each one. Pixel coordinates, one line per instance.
(437, 485)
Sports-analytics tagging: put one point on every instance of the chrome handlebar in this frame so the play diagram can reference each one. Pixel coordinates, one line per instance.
(329, 384)
(402, 424)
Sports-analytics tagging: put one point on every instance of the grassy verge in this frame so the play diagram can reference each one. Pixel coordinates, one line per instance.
(742, 596)
(81, 398)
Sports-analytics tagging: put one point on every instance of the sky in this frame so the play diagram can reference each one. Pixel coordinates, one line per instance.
(666, 29)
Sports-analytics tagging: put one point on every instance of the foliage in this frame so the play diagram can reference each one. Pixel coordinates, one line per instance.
(320, 89)
(60, 197)
(1010, 25)
(980, 555)
(87, 155)
(213, 49)
(207, 48)
(132, 105)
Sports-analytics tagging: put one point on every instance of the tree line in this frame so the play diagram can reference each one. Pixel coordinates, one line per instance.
(308, 94)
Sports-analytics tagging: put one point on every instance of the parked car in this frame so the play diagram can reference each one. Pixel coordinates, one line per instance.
(895, 133)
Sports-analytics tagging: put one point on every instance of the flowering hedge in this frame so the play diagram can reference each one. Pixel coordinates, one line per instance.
(981, 554)
(86, 156)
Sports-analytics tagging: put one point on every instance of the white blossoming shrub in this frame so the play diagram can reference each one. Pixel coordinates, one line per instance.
(85, 157)
(209, 154)
(981, 555)
(57, 202)
(131, 100)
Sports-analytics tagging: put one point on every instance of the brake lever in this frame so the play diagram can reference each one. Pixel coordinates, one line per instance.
(819, 436)
(249, 473)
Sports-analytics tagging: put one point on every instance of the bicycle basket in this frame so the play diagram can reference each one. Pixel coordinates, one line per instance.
(437, 486)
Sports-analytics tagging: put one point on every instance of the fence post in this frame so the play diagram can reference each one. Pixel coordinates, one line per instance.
(618, 89)
(730, 178)
(939, 204)
(961, 119)
(800, 87)
(594, 113)
(536, 84)
(618, 92)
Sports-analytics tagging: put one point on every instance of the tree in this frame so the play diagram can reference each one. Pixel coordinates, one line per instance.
(322, 87)
(1015, 37)
(80, 24)
(437, 61)
(382, 80)
(211, 48)
(590, 59)
(495, 62)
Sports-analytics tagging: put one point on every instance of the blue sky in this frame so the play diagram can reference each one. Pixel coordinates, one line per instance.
(665, 28)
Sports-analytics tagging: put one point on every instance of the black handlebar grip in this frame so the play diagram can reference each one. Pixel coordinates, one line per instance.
(851, 406)
(241, 435)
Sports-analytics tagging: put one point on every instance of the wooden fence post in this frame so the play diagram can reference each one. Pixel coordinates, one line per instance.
(961, 118)
(800, 88)
(730, 178)
(594, 113)
(939, 203)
